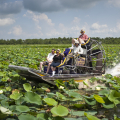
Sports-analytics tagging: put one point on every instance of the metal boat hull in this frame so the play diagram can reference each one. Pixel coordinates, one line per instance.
(36, 75)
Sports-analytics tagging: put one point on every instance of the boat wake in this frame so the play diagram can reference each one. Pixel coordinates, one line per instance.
(115, 71)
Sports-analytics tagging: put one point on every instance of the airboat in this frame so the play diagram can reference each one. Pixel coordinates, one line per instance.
(89, 64)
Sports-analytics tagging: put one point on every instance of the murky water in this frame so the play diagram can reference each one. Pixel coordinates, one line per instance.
(114, 71)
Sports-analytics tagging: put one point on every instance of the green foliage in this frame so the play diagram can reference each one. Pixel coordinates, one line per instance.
(15, 95)
(50, 101)
(15, 103)
(59, 111)
(33, 98)
(90, 117)
(27, 87)
(22, 108)
(99, 99)
(26, 117)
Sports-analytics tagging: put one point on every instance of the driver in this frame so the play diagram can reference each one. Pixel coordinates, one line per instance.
(82, 38)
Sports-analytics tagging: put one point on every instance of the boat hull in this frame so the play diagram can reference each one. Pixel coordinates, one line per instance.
(37, 76)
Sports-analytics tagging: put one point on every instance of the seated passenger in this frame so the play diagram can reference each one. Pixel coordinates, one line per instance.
(49, 60)
(76, 50)
(82, 38)
(57, 60)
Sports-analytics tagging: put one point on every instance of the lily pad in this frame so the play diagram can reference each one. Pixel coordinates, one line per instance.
(59, 111)
(114, 97)
(5, 110)
(79, 105)
(22, 108)
(33, 98)
(59, 95)
(27, 87)
(42, 116)
(90, 117)
(99, 99)
(26, 117)
(74, 94)
(50, 101)
(108, 104)
(90, 101)
(15, 95)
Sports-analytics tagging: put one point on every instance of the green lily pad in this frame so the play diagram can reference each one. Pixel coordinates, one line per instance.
(22, 108)
(104, 92)
(4, 103)
(59, 95)
(16, 95)
(99, 99)
(27, 87)
(74, 94)
(79, 105)
(108, 104)
(50, 101)
(42, 116)
(90, 117)
(19, 101)
(59, 111)
(26, 117)
(90, 101)
(78, 113)
(114, 97)
(33, 98)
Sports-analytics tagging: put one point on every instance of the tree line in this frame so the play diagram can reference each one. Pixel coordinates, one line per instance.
(59, 40)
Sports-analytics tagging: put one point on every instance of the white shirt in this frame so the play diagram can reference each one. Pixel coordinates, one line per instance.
(50, 56)
(77, 49)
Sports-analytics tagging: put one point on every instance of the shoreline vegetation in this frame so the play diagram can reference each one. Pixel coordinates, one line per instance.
(59, 40)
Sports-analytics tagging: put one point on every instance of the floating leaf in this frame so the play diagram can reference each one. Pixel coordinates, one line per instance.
(33, 98)
(108, 104)
(50, 101)
(19, 101)
(5, 110)
(42, 116)
(79, 105)
(59, 95)
(99, 99)
(114, 97)
(27, 87)
(104, 92)
(22, 108)
(15, 95)
(90, 117)
(90, 101)
(74, 94)
(59, 111)
(8, 88)
(26, 117)
(4, 103)
(78, 113)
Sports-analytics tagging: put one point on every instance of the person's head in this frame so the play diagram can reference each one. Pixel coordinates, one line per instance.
(82, 32)
(58, 51)
(76, 43)
(53, 51)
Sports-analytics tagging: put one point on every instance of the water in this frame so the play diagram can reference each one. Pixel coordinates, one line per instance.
(115, 71)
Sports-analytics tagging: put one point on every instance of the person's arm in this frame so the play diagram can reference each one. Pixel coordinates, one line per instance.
(61, 59)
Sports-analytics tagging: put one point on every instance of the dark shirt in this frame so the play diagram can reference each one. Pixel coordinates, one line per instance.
(57, 58)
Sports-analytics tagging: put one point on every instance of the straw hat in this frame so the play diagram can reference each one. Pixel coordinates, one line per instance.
(82, 31)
